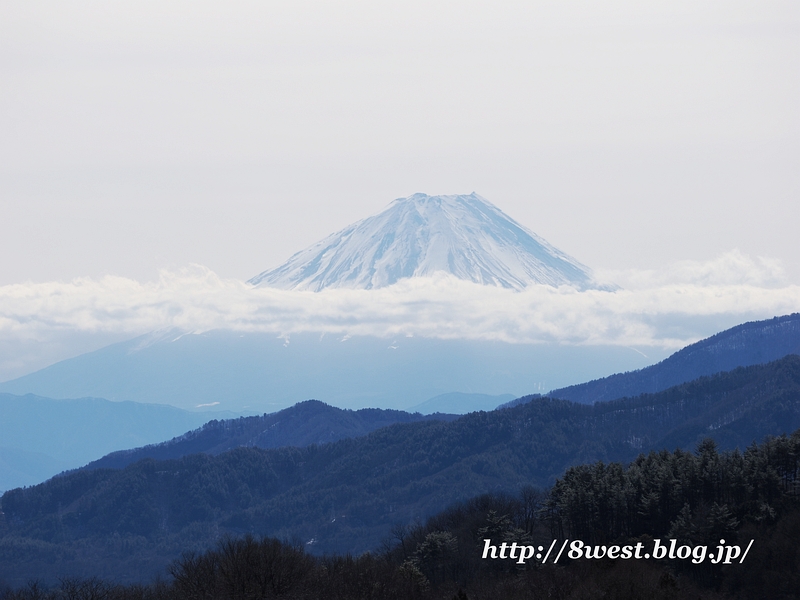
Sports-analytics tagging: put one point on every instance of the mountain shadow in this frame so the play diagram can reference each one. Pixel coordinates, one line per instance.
(40, 437)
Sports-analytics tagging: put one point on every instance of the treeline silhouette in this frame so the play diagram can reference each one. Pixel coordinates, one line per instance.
(695, 497)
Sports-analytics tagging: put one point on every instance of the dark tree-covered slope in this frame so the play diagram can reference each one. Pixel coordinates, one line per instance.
(346, 496)
(305, 423)
(748, 498)
(748, 344)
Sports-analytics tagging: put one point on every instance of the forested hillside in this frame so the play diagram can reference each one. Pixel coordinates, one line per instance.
(748, 499)
(305, 423)
(751, 343)
(346, 496)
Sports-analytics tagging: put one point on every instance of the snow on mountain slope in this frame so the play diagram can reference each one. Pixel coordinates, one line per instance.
(465, 236)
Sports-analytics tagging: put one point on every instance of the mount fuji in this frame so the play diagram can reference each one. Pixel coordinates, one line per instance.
(462, 235)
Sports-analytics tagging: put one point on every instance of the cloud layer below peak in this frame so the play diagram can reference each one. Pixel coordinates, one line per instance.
(668, 308)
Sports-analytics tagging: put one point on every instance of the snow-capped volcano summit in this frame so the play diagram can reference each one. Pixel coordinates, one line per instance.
(465, 236)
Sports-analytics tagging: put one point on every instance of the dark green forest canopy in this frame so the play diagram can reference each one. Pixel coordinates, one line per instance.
(693, 496)
(736, 496)
(346, 496)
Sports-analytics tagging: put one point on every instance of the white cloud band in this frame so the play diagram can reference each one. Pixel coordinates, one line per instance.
(197, 299)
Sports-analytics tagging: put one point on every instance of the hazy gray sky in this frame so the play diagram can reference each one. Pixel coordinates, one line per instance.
(141, 135)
